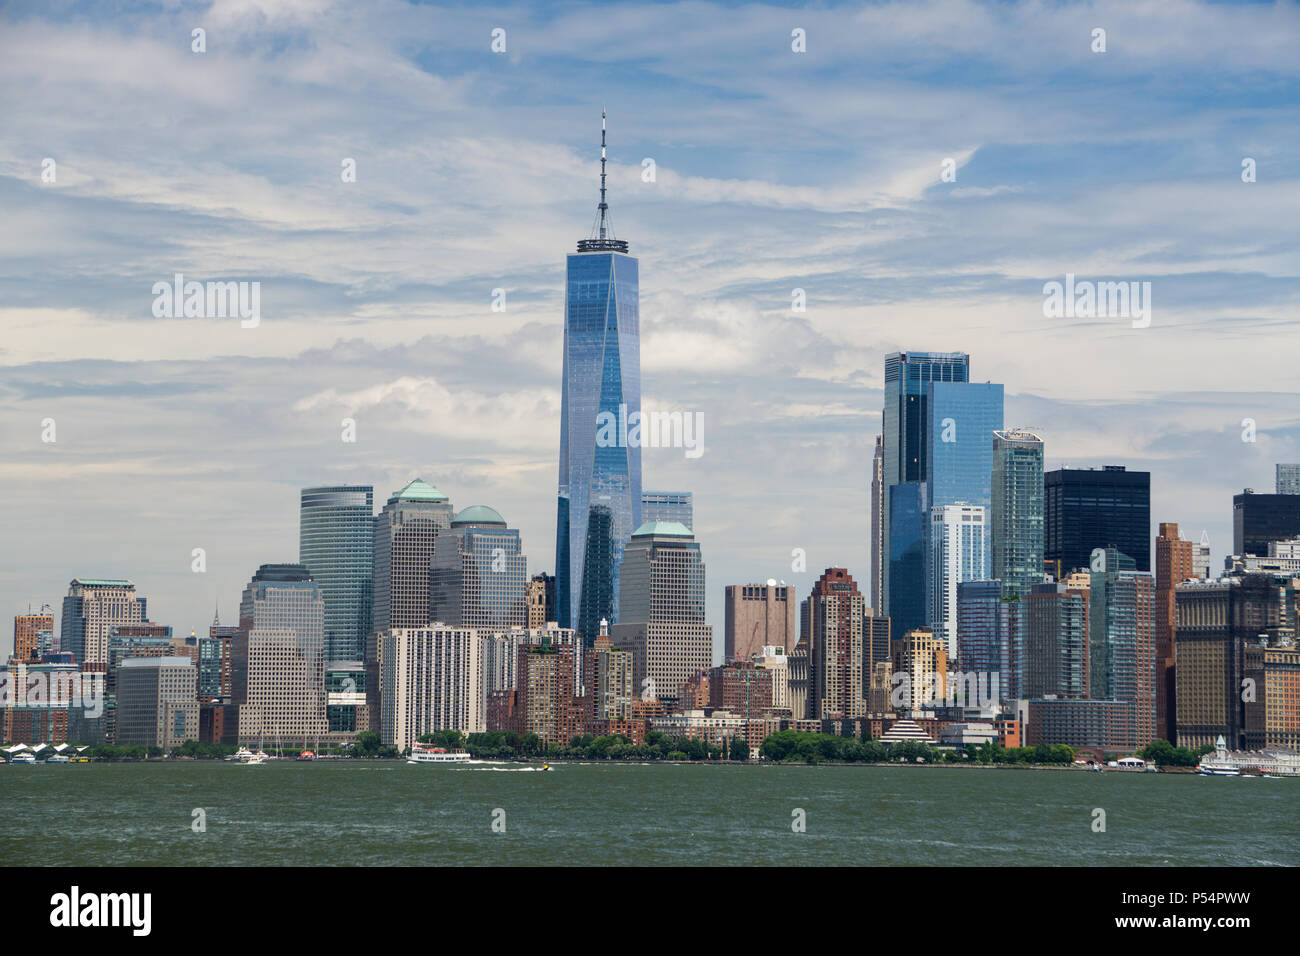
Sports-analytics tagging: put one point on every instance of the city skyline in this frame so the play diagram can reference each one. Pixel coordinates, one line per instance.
(176, 434)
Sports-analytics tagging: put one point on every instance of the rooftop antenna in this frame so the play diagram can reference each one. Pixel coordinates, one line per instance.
(603, 205)
(602, 239)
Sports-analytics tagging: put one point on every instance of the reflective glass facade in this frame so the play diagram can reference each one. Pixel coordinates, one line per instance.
(1016, 517)
(668, 506)
(905, 435)
(337, 546)
(908, 520)
(602, 374)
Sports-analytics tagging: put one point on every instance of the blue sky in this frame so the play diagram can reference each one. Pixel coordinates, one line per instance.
(477, 170)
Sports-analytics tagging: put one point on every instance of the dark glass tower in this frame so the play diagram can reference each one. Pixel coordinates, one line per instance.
(1258, 520)
(1084, 509)
(599, 502)
(905, 452)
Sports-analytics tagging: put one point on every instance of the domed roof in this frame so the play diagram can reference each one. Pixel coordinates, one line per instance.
(479, 514)
(671, 529)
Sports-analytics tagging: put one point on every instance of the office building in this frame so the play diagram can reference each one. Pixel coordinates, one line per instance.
(959, 462)
(662, 587)
(336, 544)
(905, 445)
(1258, 520)
(958, 548)
(479, 574)
(156, 702)
(877, 529)
(1223, 629)
(278, 658)
(668, 506)
(1016, 515)
(908, 560)
(1085, 509)
(406, 533)
(92, 608)
(758, 616)
(599, 499)
(1174, 565)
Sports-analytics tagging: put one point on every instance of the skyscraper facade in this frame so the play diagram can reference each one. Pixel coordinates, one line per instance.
(541, 599)
(599, 501)
(1223, 629)
(836, 616)
(1085, 509)
(957, 553)
(1122, 640)
(1054, 643)
(1288, 479)
(91, 609)
(1016, 515)
(1174, 565)
(31, 633)
(156, 702)
(479, 574)
(877, 588)
(278, 657)
(959, 461)
(434, 678)
(907, 558)
(406, 533)
(758, 616)
(676, 506)
(1258, 520)
(662, 585)
(905, 444)
(336, 544)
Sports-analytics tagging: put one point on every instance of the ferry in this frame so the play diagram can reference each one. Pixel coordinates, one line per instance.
(22, 758)
(59, 758)
(423, 753)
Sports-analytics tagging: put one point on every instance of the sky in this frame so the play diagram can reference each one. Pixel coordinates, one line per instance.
(774, 170)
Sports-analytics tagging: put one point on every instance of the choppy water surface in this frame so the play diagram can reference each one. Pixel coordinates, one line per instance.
(392, 813)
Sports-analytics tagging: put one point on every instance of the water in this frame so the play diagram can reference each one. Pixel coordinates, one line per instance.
(391, 813)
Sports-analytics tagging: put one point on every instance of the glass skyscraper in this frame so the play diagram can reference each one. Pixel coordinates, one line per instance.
(1085, 509)
(336, 543)
(959, 459)
(906, 543)
(599, 502)
(957, 553)
(905, 452)
(1016, 515)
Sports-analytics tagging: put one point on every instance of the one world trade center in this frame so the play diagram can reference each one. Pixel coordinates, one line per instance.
(599, 502)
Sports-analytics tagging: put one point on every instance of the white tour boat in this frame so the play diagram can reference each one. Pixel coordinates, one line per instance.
(424, 753)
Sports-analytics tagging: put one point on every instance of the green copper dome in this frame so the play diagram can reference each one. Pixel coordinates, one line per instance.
(479, 514)
(419, 490)
(671, 529)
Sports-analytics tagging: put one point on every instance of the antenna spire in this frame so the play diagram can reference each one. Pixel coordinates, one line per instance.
(602, 239)
(603, 205)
